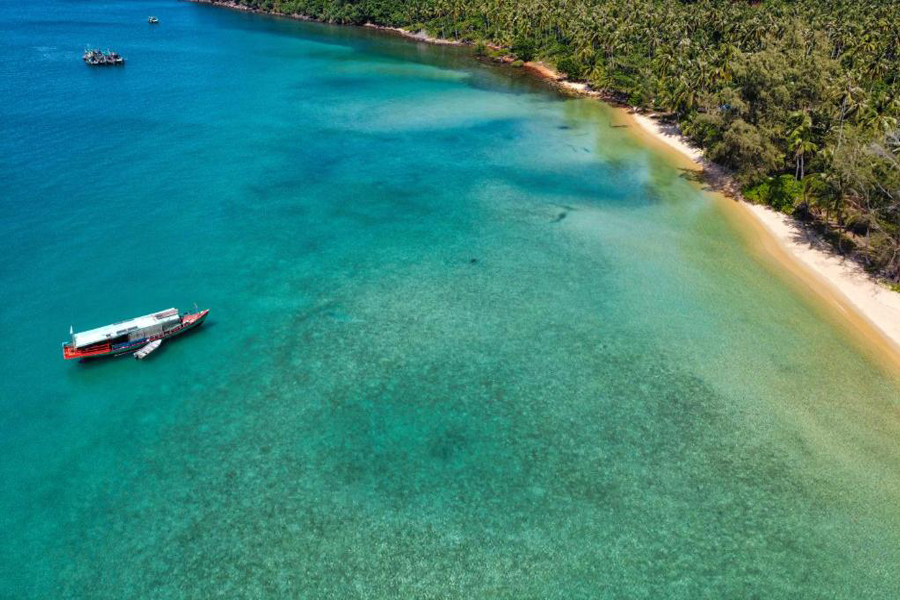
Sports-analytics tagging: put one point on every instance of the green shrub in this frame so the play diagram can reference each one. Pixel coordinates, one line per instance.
(782, 193)
(524, 49)
(572, 67)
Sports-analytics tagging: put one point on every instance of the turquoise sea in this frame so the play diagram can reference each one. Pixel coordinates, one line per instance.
(468, 339)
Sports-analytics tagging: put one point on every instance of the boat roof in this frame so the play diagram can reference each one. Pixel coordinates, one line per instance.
(107, 332)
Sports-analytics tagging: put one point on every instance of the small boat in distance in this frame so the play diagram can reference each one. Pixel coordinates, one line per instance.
(131, 335)
(97, 58)
(152, 20)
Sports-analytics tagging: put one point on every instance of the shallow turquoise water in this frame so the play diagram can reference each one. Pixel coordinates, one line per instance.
(467, 339)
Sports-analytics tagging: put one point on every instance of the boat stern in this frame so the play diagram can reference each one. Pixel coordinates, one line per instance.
(71, 352)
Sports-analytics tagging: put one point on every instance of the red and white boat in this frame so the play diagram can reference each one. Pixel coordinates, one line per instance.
(131, 335)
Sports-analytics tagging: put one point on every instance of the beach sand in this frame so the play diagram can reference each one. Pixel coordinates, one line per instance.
(419, 36)
(863, 306)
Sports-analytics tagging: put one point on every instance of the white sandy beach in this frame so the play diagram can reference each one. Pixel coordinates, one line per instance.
(844, 280)
(419, 36)
(872, 301)
(849, 285)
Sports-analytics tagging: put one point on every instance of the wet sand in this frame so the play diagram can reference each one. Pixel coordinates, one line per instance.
(865, 309)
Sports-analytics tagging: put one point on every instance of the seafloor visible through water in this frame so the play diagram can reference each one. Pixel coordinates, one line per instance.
(467, 340)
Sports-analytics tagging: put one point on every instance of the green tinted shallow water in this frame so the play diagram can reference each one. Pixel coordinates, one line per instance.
(467, 339)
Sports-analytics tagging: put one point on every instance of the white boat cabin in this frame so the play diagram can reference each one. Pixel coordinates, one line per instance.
(132, 329)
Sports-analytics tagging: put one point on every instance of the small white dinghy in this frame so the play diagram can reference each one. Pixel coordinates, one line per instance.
(146, 350)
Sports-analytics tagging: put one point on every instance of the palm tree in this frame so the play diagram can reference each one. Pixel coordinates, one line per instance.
(800, 142)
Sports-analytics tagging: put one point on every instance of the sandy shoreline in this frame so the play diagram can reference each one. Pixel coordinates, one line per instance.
(841, 280)
(421, 36)
(871, 310)
(878, 304)
(867, 308)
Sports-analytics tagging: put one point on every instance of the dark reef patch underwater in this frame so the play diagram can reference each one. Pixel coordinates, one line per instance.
(467, 340)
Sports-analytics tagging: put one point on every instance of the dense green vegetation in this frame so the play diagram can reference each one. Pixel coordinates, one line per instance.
(801, 99)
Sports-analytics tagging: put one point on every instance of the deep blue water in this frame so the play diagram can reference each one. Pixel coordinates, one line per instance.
(467, 339)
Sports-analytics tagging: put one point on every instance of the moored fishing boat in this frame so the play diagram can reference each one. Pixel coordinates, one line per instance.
(96, 57)
(131, 335)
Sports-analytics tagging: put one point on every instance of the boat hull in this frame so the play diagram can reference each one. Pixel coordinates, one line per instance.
(188, 322)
